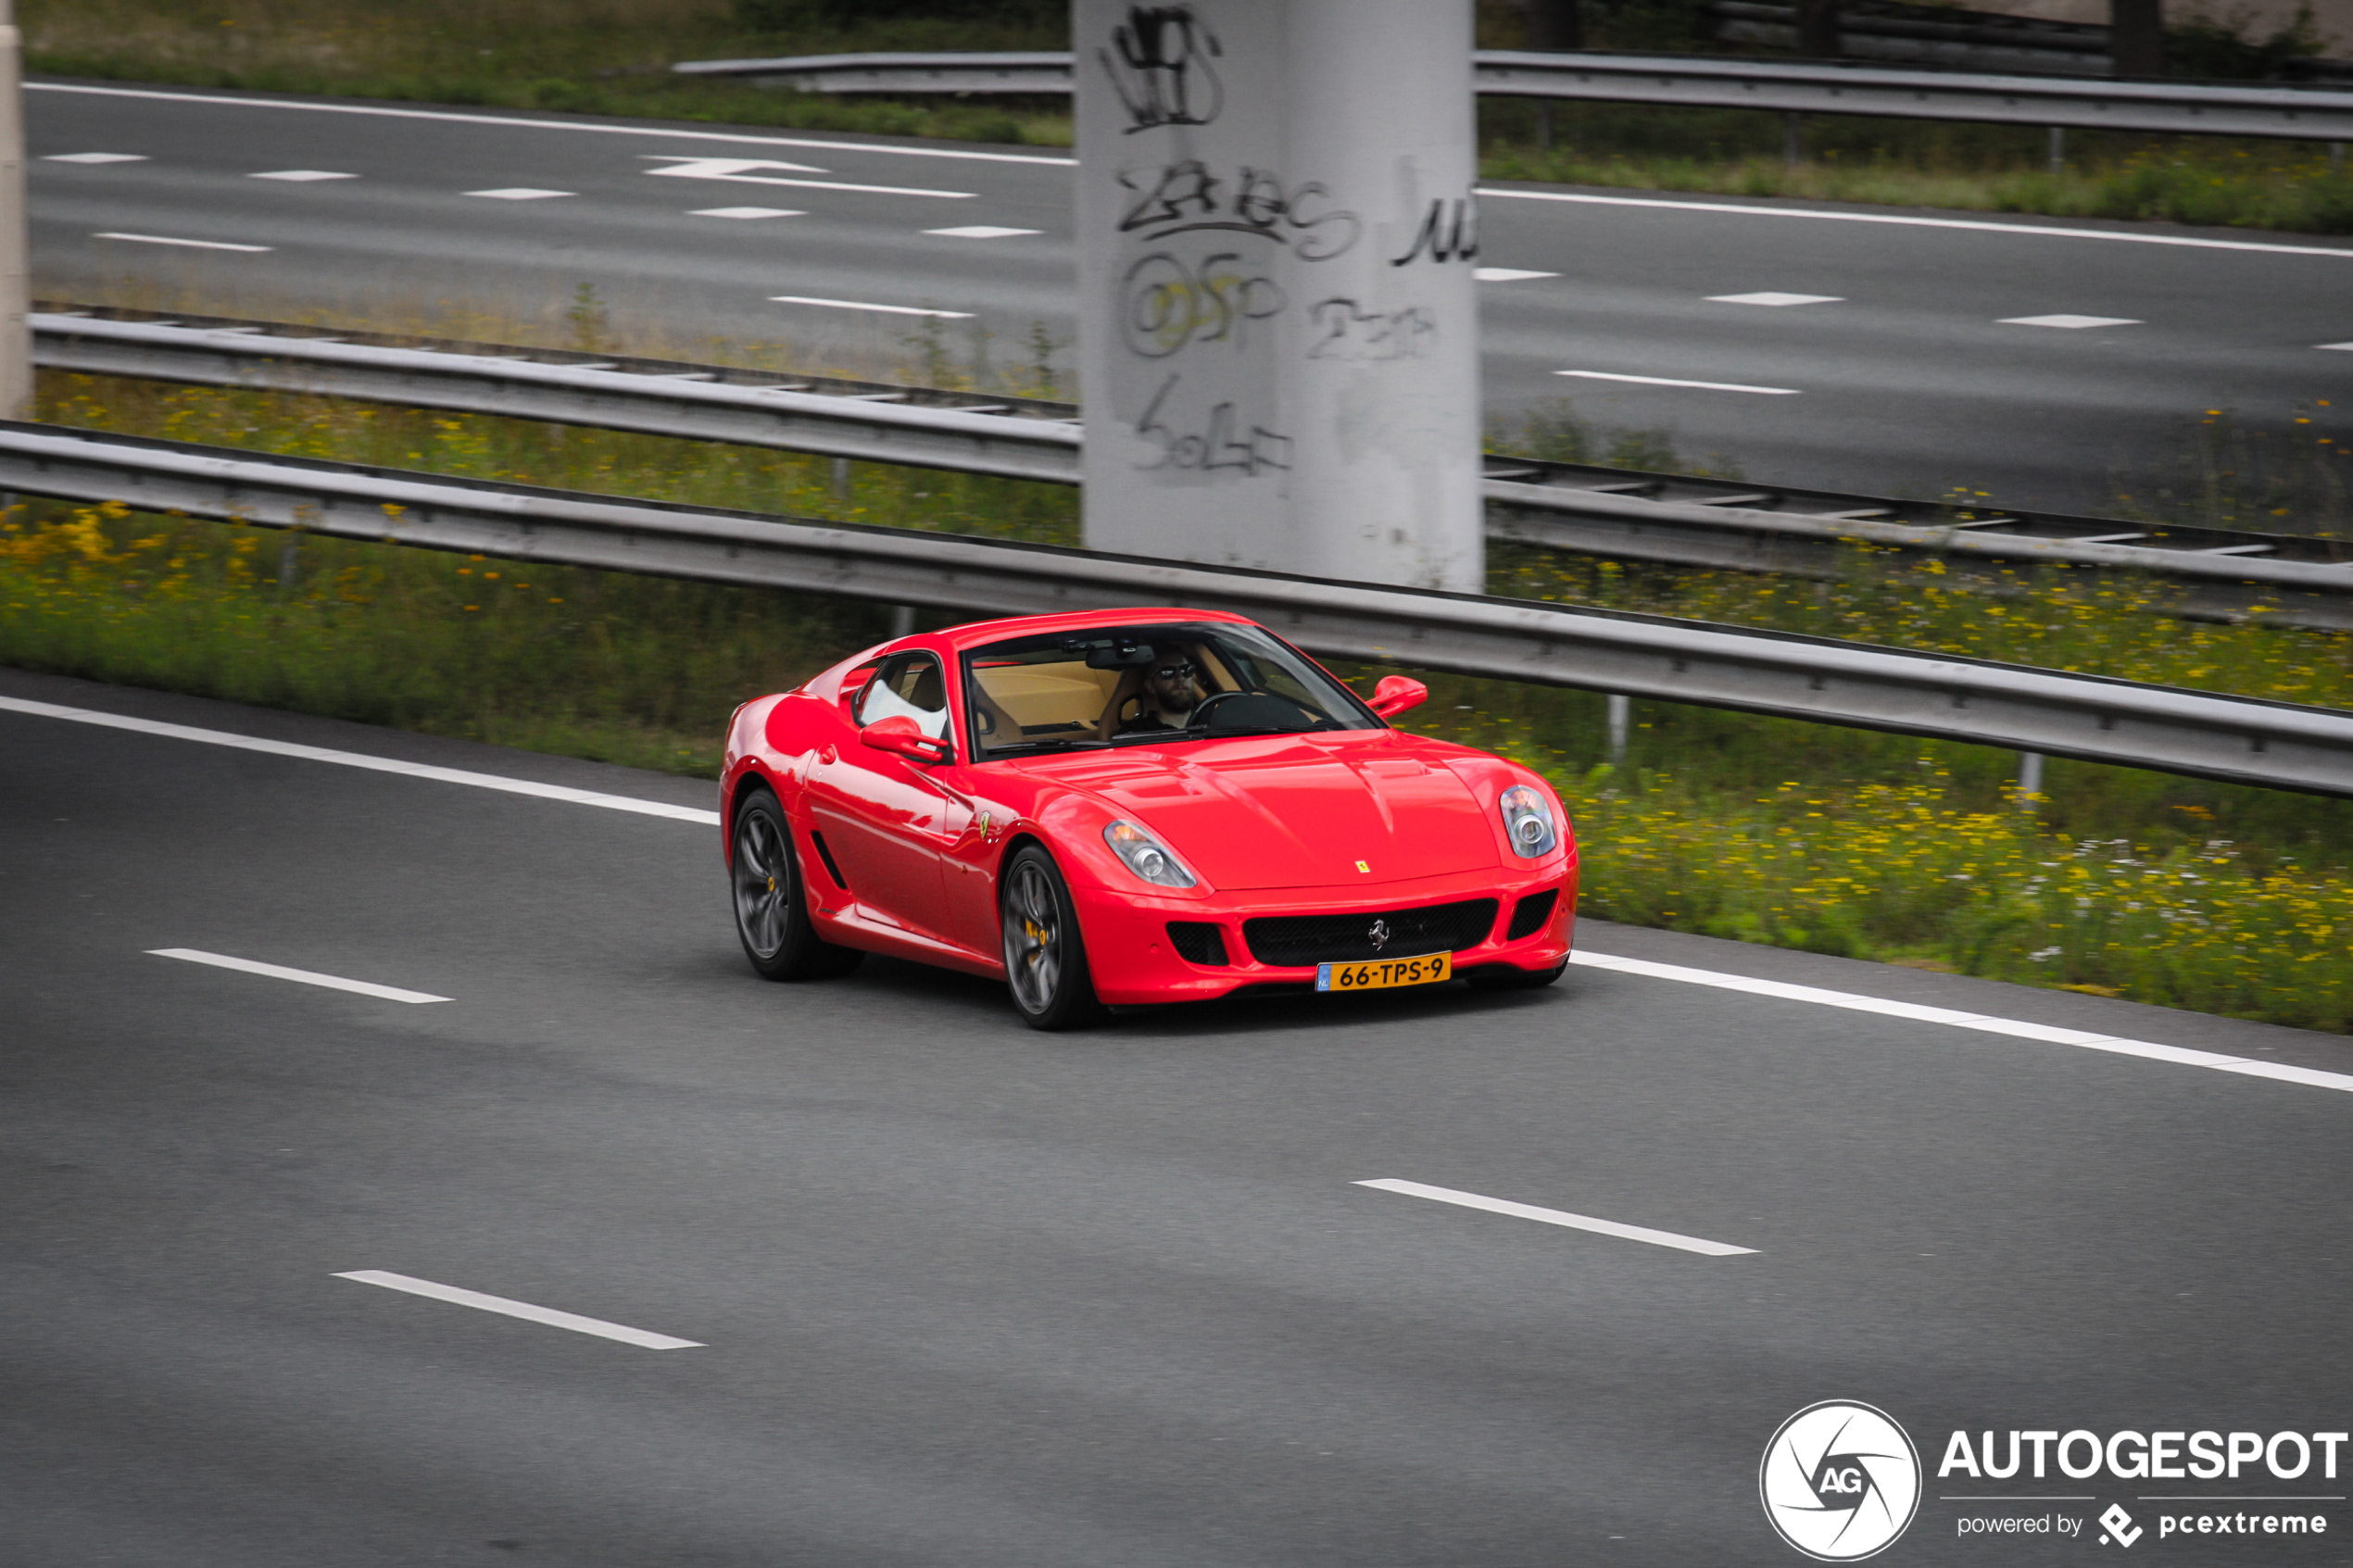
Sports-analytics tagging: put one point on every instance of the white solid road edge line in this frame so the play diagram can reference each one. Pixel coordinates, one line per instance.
(360, 759)
(1560, 1217)
(305, 976)
(590, 127)
(548, 1315)
(1901, 221)
(2311, 1077)
(2050, 1034)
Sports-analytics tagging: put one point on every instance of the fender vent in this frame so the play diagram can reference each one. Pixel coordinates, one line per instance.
(1198, 941)
(1533, 913)
(827, 856)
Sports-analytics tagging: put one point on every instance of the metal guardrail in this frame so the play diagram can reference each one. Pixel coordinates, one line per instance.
(1591, 510)
(1914, 34)
(2313, 113)
(2239, 739)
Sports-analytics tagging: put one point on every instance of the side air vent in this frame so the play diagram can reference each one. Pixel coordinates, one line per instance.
(827, 856)
(1199, 942)
(1533, 913)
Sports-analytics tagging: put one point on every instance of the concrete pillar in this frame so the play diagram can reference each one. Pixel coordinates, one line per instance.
(16, 283)
(2136, 36)
(1278, 327)
(1817, 28)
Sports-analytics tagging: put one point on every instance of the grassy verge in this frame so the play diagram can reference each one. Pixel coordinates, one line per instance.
(2167, 890)
(612, 57)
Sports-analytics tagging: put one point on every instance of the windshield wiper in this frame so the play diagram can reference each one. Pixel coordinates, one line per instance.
(1030, 747)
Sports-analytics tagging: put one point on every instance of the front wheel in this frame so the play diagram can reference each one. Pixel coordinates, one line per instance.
(770, 903)
(1045, 960)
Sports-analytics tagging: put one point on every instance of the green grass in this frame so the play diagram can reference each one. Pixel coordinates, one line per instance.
(2228, 899)
(612, 57)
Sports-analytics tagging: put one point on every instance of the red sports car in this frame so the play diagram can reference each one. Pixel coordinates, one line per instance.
(1132, 805)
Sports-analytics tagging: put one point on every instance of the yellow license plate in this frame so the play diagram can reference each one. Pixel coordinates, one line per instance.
(1381, 974)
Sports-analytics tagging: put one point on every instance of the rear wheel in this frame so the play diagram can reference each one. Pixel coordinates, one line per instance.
(1045, 960)
(1504, 978)
(772, 904)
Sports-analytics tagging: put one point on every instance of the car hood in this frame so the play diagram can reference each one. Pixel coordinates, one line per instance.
(1296, 812)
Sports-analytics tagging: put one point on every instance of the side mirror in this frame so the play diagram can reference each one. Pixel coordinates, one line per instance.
(1397, 693)
(898, 735)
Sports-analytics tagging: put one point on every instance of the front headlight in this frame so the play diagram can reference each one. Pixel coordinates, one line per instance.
(1146, 856)
(1528, 823)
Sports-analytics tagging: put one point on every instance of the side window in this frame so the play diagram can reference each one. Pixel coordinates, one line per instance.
(909, 685)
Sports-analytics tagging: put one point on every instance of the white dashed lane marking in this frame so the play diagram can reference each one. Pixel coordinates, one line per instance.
(169, 240)
(1664, 380)
(860, 304)
(1508, 274)
(738, 170)
(747, 212)
(982, 231)
(96, 157)
(500, 1304)
(2344, 345)
(2068, 323)
(1561, 1217)
(1769, 296)
(519, 193)
(300, 976)
(301, 176)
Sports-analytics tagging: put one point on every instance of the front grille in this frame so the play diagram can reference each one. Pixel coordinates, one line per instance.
(1295, 941)
(1198, 941)
(1533, 912)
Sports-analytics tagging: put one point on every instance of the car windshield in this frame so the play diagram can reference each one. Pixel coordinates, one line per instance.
(1133, 686)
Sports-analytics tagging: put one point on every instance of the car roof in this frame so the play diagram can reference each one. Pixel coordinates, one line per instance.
(961, 639)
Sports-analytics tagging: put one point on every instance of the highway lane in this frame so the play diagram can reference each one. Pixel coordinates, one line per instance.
(965, 1294)
(1908, 374)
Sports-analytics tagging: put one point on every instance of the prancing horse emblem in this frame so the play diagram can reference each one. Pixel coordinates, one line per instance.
(1379, 934)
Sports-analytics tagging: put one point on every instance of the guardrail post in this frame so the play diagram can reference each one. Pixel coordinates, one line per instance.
(2057, 159)
(1278, 322)
(16, 299)
(1621, 716)
(1792, 138)
(2336, 157)
(2030, 780)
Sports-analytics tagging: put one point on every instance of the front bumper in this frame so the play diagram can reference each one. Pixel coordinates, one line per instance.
(1133, 960)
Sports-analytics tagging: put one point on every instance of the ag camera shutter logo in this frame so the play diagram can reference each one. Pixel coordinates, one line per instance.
(1841, 1481)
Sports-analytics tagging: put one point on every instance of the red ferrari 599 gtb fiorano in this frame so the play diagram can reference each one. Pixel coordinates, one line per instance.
(1132, 805)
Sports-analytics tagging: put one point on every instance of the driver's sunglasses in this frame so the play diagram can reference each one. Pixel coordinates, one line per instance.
(1177, 669)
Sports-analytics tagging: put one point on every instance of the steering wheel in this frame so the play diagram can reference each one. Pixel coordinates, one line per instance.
(1211, 701)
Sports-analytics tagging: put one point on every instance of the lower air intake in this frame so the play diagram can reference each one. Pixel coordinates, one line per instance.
(1534, 913)
(1199, 942)
(1296, 941)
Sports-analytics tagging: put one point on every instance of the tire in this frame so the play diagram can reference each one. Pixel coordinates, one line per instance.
(1504, 978)
(771, 900)
(1045, 958)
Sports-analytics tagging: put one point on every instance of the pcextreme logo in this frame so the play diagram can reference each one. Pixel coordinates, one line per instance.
(1841, 1481)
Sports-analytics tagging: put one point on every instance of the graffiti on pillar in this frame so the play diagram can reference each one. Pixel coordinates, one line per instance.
(1159, 64)
(1185, 197)
(1345, 329)
(1216, 443)
(1448, 232)
(1166, 305)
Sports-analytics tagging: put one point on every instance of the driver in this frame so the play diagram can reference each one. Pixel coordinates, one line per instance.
(1167, 697)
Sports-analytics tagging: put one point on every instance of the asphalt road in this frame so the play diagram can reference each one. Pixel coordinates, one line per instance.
(963, 1294)
(1911, 373)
